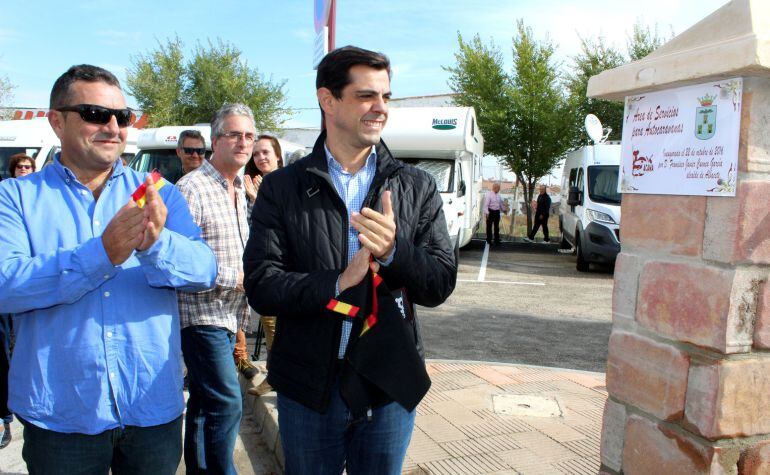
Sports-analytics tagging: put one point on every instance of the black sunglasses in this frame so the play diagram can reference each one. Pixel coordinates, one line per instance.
(192, 150)
(101, 115)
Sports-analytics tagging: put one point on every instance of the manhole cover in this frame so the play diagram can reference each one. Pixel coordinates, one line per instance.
(526, 405)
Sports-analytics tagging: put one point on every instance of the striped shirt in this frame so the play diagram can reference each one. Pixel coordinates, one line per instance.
(353, 190)
(225, 230)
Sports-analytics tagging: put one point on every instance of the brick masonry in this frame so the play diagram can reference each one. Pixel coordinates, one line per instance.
(728, 399)
(670, 223)
(687, 302)
(689, 367)
(647, 374)
(650, 448)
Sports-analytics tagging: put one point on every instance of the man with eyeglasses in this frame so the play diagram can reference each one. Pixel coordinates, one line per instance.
(191, 150)
(211, 319)
(90, 276)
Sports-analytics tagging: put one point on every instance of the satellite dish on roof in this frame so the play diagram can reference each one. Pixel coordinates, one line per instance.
(593, 128)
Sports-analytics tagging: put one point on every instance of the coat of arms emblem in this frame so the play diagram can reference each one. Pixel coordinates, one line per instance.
(706, 117)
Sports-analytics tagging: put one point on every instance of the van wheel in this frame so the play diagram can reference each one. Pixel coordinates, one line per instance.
(581, 264)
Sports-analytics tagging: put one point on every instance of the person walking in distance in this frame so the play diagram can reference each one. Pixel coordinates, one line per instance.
(542, 212)
(493, 205)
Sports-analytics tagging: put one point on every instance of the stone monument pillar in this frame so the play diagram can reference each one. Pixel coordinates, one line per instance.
(688, 373)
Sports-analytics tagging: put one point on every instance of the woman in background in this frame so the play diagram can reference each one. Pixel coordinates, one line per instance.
(20, 165)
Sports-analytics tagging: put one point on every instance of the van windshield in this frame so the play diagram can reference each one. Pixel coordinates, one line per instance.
(603, 184)
(7, 152)
(165, 160)
(440, 170)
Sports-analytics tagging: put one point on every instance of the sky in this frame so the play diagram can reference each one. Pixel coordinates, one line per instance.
(40, 39)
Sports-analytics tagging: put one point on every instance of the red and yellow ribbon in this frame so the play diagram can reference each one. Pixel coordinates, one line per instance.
(341, 307)
(348, 310)
(139, 194)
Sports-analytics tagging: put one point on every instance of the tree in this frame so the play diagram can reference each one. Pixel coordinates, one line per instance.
(524, 115)
(643, 41)
(171, 91)
(595, 56)
(6, 96)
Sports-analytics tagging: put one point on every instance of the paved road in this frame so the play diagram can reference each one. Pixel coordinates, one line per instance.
(532, 307)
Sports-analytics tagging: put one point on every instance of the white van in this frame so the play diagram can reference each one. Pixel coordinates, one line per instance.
(447, 143)
(590, 204)
(157, 149)
(36, 138)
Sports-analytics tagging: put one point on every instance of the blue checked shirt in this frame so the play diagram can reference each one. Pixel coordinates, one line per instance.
(352, 189)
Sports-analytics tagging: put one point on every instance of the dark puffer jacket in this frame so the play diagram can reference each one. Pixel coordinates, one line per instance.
(298, 247)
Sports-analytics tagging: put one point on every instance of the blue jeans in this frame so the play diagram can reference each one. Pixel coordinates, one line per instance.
(315, 443)
(130, 450)
(214, 407)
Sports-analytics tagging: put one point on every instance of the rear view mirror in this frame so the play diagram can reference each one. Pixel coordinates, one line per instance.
(573, 198)
(461, 189)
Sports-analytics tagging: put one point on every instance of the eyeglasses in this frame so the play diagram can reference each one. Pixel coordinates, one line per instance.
(246, 136)
(23, 167)
(101, 115)
(192, 150)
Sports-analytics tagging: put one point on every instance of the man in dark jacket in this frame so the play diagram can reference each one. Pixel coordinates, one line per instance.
(321, 229)
(542, 211)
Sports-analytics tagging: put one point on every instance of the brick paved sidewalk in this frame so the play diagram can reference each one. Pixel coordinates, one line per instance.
(464, 425)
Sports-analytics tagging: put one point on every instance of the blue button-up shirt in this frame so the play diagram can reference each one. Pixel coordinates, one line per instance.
(353, 189)
(97, 345)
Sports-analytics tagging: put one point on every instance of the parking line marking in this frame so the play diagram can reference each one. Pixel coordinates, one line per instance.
(483, 268)
(502, 282)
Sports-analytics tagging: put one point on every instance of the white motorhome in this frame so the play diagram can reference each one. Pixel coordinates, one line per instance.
(590, 204)
(157, 149)
(36, 138)
(445, 142)
(33, 137)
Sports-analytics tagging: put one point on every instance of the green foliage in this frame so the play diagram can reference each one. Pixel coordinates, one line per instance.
(595, 56)
(171, 91)
(524, 115)
(644, 41)
(482, 84)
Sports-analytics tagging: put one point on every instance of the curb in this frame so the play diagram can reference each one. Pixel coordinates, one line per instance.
(262, 412)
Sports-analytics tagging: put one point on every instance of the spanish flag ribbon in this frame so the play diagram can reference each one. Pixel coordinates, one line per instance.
(371, 320)
(139, 194)
(341, 307)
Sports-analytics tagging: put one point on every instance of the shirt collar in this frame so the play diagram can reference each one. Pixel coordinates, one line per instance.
(209, 170)
(67, 174)
(333, 164)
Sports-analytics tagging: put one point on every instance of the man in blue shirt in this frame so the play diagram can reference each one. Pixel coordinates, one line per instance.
(96, 375)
